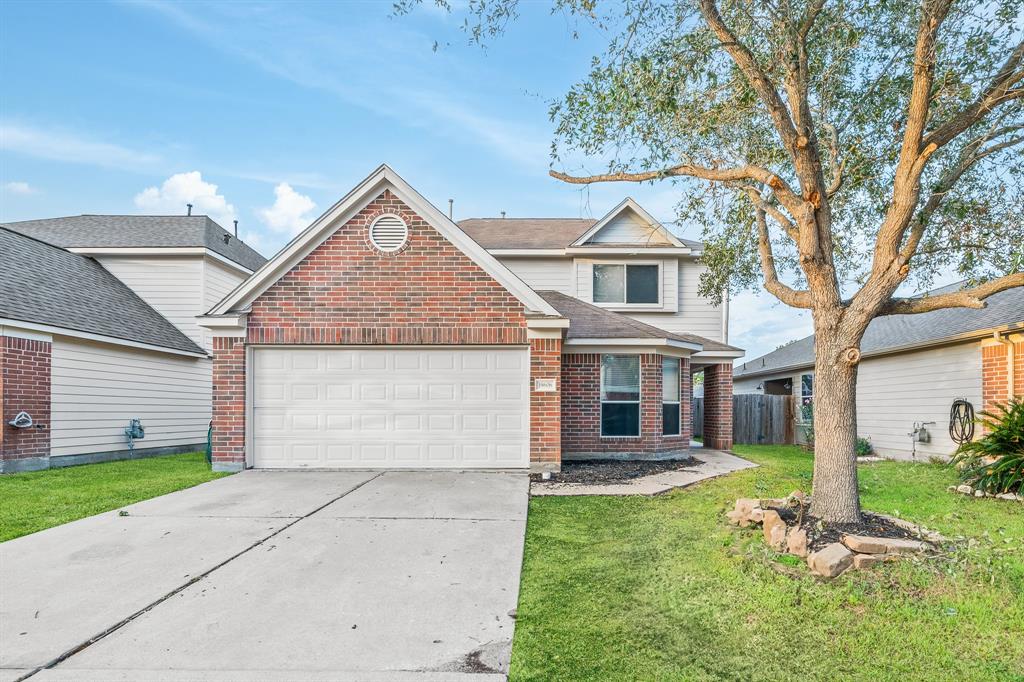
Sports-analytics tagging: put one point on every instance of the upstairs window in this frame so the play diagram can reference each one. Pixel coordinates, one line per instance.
(626, 284)
(620, 395)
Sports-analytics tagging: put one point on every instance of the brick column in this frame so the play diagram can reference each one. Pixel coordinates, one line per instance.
(228, 404)
(718, 407)
(24, 386)
(995, 372)
(545, 406)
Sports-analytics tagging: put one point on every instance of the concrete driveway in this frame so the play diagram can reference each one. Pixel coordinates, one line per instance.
(274, 576)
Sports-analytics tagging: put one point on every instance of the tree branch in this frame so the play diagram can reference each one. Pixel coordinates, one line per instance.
(781, 218)
(779, 186)
(786, 294)
(967, 298)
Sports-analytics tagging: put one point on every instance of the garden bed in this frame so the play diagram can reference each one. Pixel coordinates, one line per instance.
(598, 471)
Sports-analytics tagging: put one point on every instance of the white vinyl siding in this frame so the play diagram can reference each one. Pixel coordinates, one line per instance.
(218, 281)
(695, 315)
(173, 286)
(543, 274)
(629, 228)
(97, 388)
(894, 391)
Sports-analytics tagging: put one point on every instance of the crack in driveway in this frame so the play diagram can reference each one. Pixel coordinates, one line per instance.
(192, 581)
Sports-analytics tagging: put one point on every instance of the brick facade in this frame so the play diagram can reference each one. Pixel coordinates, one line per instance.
(581, 410)
(228, 403)
(718, 407)
(995, 374)
(346, 292)
(546, 406)
(24, 386)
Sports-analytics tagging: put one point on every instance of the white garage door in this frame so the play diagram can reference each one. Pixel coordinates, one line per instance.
(382, 408)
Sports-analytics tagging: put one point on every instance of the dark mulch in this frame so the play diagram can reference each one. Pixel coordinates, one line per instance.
(596, 471)
(821, 533)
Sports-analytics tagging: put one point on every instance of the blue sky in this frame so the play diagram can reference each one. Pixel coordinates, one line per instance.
(269, 112)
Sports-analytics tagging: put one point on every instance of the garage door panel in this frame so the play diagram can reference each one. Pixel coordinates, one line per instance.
(391, 407)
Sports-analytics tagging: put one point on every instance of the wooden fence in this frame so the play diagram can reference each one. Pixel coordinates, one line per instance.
(756, 419)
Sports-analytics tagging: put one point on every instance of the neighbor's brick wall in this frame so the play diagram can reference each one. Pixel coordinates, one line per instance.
(348, 292)
(581, 409)
(24, 385)
(546, 407)
(228, 401)
(718, 407)
(995, 375)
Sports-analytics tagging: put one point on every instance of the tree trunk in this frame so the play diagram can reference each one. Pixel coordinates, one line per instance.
(835, 497)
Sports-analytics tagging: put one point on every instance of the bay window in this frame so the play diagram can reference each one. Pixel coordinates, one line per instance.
(620, 395)
(670, 417)
(627, 284)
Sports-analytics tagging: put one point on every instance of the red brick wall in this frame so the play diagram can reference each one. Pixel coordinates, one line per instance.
(995, 375)
(228, 402)
(718, 406)
(581, 409)
(348, 292)
(24, 385)
(545, 406)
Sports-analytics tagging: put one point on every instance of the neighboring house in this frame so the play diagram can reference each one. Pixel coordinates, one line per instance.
(913, 368)
(97, 324)
(387, 336)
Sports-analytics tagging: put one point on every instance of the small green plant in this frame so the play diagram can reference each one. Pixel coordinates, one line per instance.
(995, 462)
(864, 447)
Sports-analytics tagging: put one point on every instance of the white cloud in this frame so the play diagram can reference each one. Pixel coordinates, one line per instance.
(19, 188)
(57, 145)
(291, 211)
(187, 188)
(759, 323)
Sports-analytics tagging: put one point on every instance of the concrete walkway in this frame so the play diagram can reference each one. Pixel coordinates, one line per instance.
(274, 576)
(715, 463)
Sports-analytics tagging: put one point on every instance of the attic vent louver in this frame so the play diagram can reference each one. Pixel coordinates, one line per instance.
(389, 233)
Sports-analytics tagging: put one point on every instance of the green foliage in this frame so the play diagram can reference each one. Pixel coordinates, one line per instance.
(864, 447)
(36, 500)
(995, 462)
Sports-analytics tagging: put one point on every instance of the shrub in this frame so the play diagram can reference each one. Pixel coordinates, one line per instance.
(864, 447)
(995, 462)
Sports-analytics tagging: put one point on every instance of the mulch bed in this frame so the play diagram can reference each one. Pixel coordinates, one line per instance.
(821, 533)
(598, 471)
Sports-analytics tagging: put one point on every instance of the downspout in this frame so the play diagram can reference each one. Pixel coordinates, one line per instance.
(725, 317)
(1011, 359)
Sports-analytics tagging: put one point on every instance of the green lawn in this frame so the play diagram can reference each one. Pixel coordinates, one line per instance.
(663, 589)
(40, 499)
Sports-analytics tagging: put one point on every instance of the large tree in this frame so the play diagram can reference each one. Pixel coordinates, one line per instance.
(834, 151)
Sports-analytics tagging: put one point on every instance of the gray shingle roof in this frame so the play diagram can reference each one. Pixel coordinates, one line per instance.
(533, 233)
(588, 321)
(894, 332)
(45, 284)
(139, 231)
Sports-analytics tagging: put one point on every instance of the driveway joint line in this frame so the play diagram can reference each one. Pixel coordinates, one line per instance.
(181, 588)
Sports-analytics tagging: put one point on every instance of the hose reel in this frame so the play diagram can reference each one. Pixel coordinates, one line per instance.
(961, 421)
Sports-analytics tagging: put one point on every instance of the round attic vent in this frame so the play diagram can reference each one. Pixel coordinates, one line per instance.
(389, 233)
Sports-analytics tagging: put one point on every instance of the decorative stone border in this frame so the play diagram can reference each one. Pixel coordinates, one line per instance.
(853, 551)
(965, 489)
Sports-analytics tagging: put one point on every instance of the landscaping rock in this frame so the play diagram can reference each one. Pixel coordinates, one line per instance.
(747, 511)
(964, 489)
(979, 493)
(799, 495)
(869, 560)
(831, 560)
(1008, 496)
(868, 545)
(796, 542)
(774, 530)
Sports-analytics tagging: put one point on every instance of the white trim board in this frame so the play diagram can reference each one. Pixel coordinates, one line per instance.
(343, 211)
(7, 326)
(167, 251)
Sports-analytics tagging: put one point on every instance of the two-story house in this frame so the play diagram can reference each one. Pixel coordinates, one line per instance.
(387, 336)
(98, 327)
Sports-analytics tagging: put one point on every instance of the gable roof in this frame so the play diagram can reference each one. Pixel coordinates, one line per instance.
(47, 285)
(627, 204)
(588, 321)
(892, 333)
(140, 231)
(348, 206)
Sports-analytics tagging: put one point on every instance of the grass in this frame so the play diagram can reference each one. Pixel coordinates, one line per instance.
(33, 501)
(663, 589)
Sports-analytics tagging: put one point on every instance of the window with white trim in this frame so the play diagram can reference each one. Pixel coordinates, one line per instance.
(620, 395)
(670, 415)
(627, 284)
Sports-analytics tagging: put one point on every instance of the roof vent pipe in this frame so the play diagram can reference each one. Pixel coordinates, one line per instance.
(451, 206)
(502, 215)
(236, 229)
(189, 209)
